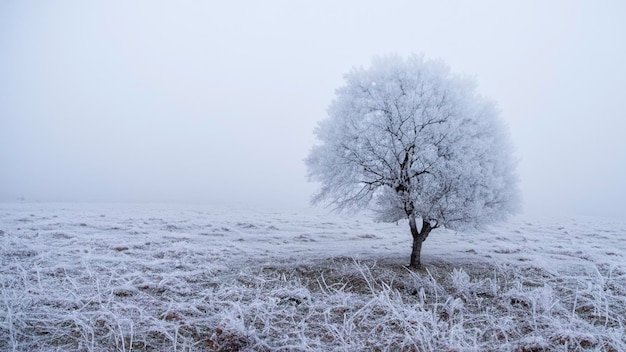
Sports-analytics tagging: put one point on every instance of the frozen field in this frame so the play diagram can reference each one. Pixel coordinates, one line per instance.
(173, 278)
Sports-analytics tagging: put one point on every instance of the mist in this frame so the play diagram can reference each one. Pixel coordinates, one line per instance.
(217, 102)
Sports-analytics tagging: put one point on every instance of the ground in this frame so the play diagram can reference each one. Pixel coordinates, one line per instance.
(104, 277)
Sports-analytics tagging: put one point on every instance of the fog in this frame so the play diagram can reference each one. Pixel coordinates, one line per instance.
(216, 102)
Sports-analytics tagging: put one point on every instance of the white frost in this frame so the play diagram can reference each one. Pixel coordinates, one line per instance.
(130, 277)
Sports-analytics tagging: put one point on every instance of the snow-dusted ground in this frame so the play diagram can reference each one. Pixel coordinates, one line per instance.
(163, 277)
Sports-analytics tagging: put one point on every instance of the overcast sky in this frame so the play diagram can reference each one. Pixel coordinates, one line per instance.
(217, 101)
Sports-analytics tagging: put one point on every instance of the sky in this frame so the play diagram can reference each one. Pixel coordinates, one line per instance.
(216, 102)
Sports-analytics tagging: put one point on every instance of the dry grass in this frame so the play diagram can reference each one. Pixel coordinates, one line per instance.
(340, 304)
(106, 283)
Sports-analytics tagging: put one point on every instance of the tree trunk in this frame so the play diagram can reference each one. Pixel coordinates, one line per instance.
(418, 238)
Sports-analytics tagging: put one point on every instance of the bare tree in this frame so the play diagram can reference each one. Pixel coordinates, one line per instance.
(408, 139)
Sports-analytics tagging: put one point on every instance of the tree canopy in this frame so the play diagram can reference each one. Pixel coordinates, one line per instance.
(409, 139)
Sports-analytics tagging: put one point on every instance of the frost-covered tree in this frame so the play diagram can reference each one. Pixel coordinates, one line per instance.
(410, 140)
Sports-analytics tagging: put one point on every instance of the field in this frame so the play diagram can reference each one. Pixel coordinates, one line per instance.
(108, 277)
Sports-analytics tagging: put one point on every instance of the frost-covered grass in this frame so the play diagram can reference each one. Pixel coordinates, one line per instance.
(134, 278)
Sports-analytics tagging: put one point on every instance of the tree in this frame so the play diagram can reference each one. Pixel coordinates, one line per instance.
(410, 140)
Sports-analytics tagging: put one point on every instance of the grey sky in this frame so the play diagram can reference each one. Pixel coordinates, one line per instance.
(217, 101)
